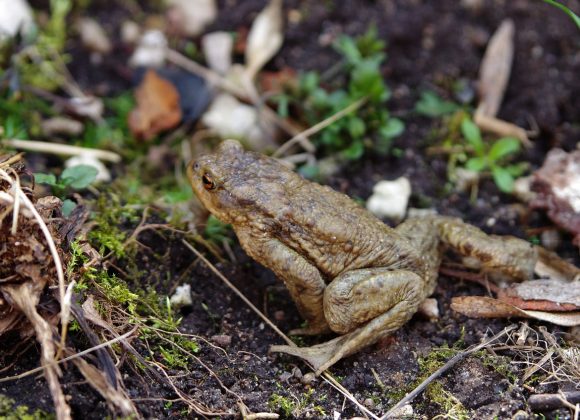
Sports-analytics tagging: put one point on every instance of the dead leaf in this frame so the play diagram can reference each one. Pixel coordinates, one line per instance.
(485, 307)
(495, 69)
(116, 398)
(157, 107)
(543, 295)
(265, 37)
(494, 74)
(557, 184)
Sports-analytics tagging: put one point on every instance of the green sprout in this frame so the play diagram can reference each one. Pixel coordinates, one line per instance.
(433, 106)
(76, 177)
(492, 157)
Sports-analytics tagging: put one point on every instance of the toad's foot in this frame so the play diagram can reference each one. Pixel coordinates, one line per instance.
(320, 356)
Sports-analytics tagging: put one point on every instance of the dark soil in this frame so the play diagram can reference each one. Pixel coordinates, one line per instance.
(431, 44)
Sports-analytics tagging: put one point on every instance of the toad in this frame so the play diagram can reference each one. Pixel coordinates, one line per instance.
(347, 271)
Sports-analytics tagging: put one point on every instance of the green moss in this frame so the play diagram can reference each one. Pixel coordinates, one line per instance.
(282, 405)
(449, 404)
(109, 216)
(500, 364)
(10, 411)
(292, 407)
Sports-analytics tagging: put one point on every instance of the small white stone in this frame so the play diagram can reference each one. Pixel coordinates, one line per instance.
(151, 51)
(390, 198)
(190, 17)
(103, 173)
(429, 308)
(130, 32)
(15, 17)
(522, 189)
(93, 36)
(217, 49)
(182, 296)
(465, 179)
(231, 118)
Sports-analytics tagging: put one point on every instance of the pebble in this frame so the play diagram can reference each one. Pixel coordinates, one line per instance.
(93, 36)
(308, 378)
(222, 340)
(390, 198)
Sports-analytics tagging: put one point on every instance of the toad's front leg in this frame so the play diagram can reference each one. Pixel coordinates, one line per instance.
(364, 305)
(303, 280)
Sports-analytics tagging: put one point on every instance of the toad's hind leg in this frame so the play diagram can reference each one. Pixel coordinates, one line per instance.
(503, 257)
(364, 305)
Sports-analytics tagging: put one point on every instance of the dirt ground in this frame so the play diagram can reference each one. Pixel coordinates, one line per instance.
(430, 45)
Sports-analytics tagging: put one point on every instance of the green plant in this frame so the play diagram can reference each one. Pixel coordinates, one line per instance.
(76, 177)
(370, 127)
(41, 64)
(432, 105)
(492, 157)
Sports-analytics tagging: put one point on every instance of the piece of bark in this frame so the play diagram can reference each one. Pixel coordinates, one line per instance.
(485, 307)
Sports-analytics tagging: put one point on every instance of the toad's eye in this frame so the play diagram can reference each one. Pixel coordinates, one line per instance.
(208, 183)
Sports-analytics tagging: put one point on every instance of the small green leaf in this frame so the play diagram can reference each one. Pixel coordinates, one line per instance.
(309, 81)
(48, 179)
(503, 179)
(503, 147)
(393, 128)
(366, 80)
(79, 176)
(67, 207)
(347, 47)
(432, 105)
(356, 127)
(354, 151)
(476, 164)
(472, 134)
(517, 169)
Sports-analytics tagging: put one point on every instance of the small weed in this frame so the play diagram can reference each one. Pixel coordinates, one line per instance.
(492, 157)
(76, 177)
(41, 63)
(433, 106)
(370, 127)
(281, 404)
(453, 408)
(289, 407)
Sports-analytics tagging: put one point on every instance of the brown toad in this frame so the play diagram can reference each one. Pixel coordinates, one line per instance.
(346, 270)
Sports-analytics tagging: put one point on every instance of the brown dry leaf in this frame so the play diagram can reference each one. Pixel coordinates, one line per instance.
(157, 107)
(543, 295)
(485, 307)
(494, 74)
(265, 38)
(557, 184)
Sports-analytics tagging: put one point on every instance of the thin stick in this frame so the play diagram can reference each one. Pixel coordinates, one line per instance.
(452, 362)
(321, 125)
(74, 356)
(326, 376)
(237, 292)
(61, 149)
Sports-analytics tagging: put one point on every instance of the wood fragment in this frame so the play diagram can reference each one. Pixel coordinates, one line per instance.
(541, 402)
